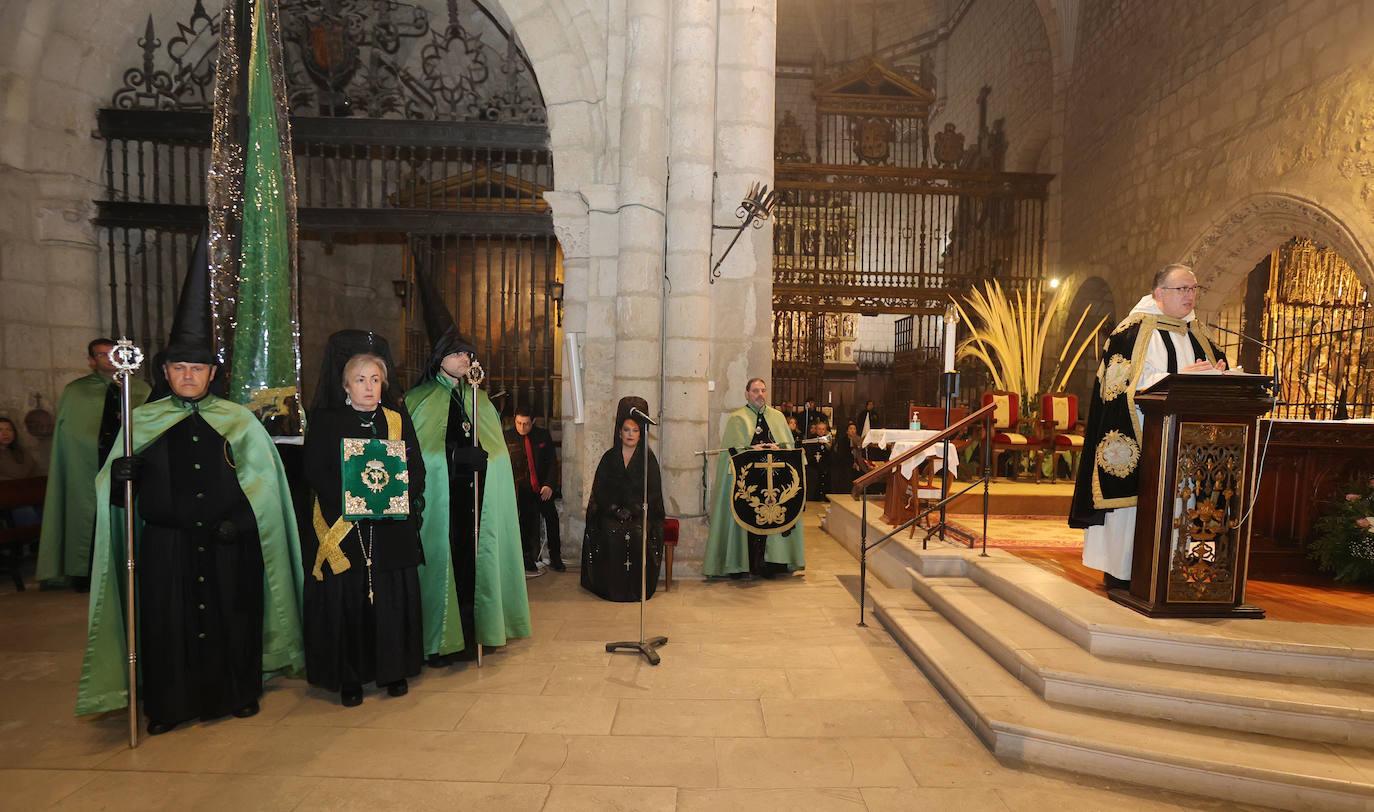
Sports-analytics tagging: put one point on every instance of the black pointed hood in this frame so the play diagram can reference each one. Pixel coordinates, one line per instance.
(342, 346)
(444, 337)
(192, 333)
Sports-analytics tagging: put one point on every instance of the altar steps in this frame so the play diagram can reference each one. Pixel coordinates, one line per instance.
(1049, 673)
(1034, 725)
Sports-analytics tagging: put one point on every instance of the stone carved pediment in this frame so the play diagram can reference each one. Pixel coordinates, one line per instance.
(1258, 224)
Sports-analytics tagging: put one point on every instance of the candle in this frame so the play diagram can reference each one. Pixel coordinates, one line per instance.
(949, 345)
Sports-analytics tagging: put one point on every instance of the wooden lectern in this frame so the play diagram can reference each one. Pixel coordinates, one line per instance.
(1197, 480)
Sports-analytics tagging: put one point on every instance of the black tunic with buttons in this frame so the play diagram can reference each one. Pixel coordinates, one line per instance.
(200, 579)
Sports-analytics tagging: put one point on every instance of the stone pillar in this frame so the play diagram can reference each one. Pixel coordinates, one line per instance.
(571, 224)
(742, 299)
(639, 275)
(687, 300)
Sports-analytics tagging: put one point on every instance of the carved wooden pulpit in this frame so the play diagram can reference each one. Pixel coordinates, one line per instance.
(1197, 480)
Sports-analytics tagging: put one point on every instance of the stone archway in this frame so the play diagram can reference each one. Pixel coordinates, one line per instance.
(1231, 246)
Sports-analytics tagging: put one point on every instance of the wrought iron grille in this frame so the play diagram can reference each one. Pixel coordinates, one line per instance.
(464, 196)
(498, 291)
(1310, 306)
(372, 58)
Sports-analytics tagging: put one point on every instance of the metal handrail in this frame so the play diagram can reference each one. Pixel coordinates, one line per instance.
(948, 432)
(860, 489)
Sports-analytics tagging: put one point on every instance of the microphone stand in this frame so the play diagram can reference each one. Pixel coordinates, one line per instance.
(646, 646)
(1278, 360)
(127, 358)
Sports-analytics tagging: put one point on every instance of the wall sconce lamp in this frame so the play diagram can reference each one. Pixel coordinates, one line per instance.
(401, 288)
(756, 207)
(556, 293)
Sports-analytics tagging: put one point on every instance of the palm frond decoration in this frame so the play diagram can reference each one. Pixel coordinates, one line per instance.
(1009, 336)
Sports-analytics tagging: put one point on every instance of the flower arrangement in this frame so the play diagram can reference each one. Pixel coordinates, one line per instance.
(1344, 542)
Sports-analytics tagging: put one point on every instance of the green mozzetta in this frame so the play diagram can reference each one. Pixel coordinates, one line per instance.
(104, 681)
(64, 549)
(727, 547)
(502, 605)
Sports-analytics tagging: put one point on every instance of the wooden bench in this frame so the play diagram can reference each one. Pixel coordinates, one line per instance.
(17, 493)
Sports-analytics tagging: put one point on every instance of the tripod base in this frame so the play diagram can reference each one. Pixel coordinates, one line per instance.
(645, 647)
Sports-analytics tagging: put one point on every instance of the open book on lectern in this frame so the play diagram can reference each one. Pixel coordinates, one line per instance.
(1233, 378)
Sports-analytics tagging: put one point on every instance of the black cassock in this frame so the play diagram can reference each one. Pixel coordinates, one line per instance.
(200, 579)
(350, 640)
(612, 546)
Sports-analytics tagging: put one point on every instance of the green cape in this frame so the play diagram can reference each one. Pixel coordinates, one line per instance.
(64, 550)
(502, 605)
(727, 547)
(104, 681)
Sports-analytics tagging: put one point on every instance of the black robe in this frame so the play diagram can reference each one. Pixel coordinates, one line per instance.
(612, 546)
(1109, 471)
(200, 579)
(463, 499)
(350, 640)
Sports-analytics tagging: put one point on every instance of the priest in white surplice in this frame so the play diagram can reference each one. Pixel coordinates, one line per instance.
(1161, 335)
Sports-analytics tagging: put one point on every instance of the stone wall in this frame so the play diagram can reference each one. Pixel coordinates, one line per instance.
(1211, 132)
(1001, 44)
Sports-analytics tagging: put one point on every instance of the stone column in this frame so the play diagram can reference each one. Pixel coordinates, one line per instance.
(687, 300)
(742, 299)
(639, 274)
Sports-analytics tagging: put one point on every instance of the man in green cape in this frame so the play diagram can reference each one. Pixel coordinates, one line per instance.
(730, 549)
(469, 597)
(217, 559)
(87, 420)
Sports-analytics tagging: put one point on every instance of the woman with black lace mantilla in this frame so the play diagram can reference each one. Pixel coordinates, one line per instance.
(362, 594)
(612, 547)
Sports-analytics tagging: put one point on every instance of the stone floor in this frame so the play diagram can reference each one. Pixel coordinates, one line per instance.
(768, 697)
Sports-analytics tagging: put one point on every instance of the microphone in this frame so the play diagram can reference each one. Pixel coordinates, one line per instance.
(635, 412)
(497, 396)
(1278, 389)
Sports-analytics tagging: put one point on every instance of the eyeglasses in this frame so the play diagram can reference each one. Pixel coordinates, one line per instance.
(1189, 289)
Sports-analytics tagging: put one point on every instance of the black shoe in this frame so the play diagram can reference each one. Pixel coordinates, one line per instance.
(351, 696)
(158, 728)
(1112, 582)
(398, 688)
(81, 584)
(436, 661)
(467, 655)
(558, 565)
(251, 709)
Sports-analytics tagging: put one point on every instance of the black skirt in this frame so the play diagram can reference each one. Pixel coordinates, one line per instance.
(351, 641)
(610, 562)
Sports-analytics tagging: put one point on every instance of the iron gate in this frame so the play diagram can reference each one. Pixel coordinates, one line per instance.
(450, 162)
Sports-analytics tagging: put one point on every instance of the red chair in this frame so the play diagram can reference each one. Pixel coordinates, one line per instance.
(670, 531)
(1061, 431)
(1006, 429)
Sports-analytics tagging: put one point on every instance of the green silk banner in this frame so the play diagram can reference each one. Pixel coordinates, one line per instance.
(264, 375)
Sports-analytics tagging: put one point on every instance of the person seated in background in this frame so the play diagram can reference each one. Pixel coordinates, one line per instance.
(818, 462)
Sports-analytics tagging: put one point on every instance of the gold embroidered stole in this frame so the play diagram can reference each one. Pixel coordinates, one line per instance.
(331, 537)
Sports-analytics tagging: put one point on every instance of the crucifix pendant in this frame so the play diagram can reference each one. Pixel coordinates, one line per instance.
(627, 564)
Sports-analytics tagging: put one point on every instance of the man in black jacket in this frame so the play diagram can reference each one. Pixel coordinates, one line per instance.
(534, 464)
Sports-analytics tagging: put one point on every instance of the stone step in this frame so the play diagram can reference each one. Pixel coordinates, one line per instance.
(1061, 671)
(1019, 725)
(1310, 650)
